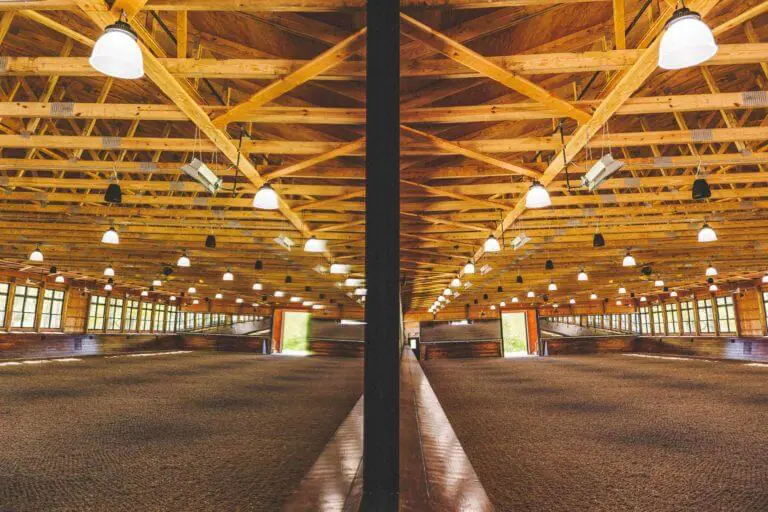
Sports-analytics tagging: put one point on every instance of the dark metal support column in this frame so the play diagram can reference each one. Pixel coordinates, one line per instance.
(382, 259)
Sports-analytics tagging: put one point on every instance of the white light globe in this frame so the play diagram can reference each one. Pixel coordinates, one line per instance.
(707, 234)
(629, 261)
(183, 261)
(469, 268)
(266, 198)
(111, 237)
(711, 271)
(492, 244)
(117, 54)
(537, 196)
(687, 41)
(109, 271)
(583, 276)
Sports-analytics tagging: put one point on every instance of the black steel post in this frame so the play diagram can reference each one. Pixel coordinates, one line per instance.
(382, 259)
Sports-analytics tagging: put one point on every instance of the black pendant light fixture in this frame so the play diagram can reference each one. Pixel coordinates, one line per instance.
(53, 270)
(701, 189)
(598, 240)
(210, 241)
(519, 279)
(549, 265)
(500, 289)
(113, 194)
(288, 279)
(258, 265)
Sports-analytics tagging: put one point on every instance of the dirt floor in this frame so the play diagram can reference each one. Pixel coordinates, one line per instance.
(611, 433)
(177, 432)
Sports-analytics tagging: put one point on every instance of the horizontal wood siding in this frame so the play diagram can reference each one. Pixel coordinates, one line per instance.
(489, 330)
(459, 350)
(590, 345)
(337, 348)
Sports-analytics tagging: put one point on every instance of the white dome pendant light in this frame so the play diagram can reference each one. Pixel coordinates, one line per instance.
(687, 41)
(117, 53)
(266, 198)
(629, 260)
(492, 244)
(110, 236)
(707, 234)
(537, 196)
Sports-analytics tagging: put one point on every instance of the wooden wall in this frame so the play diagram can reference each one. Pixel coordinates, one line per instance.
(749, 309)
(478, 330)
(589, 345)
(467, 349)
(75, 311)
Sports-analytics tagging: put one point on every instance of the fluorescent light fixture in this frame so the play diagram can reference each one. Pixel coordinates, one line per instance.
(492, 244)
(191, 289)
(284, 241)
(339, 268)
(314, 244)
(600, 171)
(59, 279)
(537, 196)
(711, 271)
(110, 236)
(36, 255)
(257, 287)
(307, 303)
(687, 41)
(295, 299)
(320, 269)
(218, 296)
(228, 276)
(353, 282)
(485, 269)
(362, 292)
(629, 260)
(583, 276)
(266, 198)
(183, 260)
(707, 234)
(117, 53)
(455, 282)
(279, 294)
(157, 282)
(552, 286)
(201, 173)
(469, 268)
(519, 241)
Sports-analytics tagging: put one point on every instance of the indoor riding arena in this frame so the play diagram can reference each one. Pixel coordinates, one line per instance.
(383, 255)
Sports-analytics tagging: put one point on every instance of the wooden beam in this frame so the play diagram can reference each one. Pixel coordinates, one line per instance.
(475, 155)
(460, 53)
(310, 162)
(182, 34)
(619, 25)
(319, 64)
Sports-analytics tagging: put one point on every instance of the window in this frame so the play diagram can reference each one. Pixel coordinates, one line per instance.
(172, 312)
(658, 319)
(645, 321)
(131, 315)
(199, 320)
(726, 314)
(3, 302)
(159, 317)
(115, 314)
(24, 307)
(146, 317)
(689, 320)
(53, 305)
(635, 320)
(624, 319)
(706, 316)
(672, 325)
(96, 313)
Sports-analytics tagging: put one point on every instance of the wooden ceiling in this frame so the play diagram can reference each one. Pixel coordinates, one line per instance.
(486, 85)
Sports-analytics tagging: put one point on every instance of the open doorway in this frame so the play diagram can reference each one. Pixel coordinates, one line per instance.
(295, 332)
(514, 333)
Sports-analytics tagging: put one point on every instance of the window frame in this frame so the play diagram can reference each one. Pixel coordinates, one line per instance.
(729, 307)
(26, 299)
(111, 308)
(96, 303)
(47, 309)
(709, 321)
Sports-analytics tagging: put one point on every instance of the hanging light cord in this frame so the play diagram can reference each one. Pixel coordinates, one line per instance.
(237, 161)
(565, 157)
